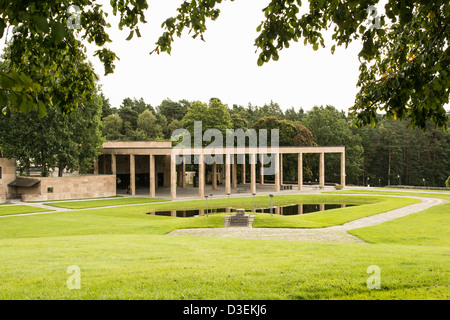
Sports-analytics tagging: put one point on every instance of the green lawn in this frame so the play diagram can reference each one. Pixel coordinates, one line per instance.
(174, 267)
(19, 209)
(125, 254)
(430, 227)
(133, 220)
(444, 195)
(414, 190)
(111, 197)
(84, 204)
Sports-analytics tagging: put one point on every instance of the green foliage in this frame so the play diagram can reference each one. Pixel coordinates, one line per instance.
(447, 182)
(112, 127)
(107, 109)
(404, 56)
(391, 149)
(148, 124)
(214, 115)
(43, 38)
(290, 134)
(65, 141)
(331, 128)
(173, 110)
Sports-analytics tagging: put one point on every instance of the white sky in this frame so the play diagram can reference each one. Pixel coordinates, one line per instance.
(225, 65)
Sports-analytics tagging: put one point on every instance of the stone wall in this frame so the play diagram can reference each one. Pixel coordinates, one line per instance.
(62, 188)
(8, 175)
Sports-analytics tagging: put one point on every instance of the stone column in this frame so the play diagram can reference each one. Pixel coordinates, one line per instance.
(234, 171)
(300, 171)
(113, 164)
(261, 175)
(201, 176)
(183, 172)
(343, 168)
(227, 174)
(173, 177)
(281, 168)
(322, 170)
(214, 175)
(152, 176)
(277, 172)
(243, 169)
(132, 175)
(253, 172)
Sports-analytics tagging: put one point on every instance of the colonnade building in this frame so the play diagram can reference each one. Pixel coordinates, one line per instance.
(156, 165)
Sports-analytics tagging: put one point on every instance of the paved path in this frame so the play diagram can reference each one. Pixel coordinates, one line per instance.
(329, 234)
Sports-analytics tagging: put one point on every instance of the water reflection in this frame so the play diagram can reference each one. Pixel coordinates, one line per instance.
(294, 209)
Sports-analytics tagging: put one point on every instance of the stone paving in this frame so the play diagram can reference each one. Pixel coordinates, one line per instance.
(329, 234)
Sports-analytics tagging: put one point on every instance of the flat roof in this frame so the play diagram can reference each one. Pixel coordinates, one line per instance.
(165, 148)
(136, 144)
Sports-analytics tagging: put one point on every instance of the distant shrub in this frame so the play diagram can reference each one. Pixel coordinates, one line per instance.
(447, 183)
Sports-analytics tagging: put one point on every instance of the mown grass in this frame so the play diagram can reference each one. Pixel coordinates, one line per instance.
(125, 254)
(101, 203)
(430, 227)
(444, 195)
(414, 190)
(19, 209)
(76, 199)
(174, 267)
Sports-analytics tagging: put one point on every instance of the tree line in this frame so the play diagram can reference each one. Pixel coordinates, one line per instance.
(390, 153)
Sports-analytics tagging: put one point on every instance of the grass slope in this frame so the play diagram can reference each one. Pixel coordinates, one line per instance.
(19, 209)
(173, 267)
(133, 220)
(124, 254)
(101, 203)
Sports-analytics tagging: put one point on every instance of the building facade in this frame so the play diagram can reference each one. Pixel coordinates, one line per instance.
(152, 166)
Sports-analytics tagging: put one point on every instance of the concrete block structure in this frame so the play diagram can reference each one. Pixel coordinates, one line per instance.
(52, 188)
(7, 175)
(63, 188)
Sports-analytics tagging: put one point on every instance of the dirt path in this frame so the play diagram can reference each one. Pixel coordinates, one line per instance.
(330, 234)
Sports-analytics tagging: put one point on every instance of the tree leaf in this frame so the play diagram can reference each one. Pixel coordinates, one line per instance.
(130, 36)
(2, 27)
(58, 32)
(42, 24)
